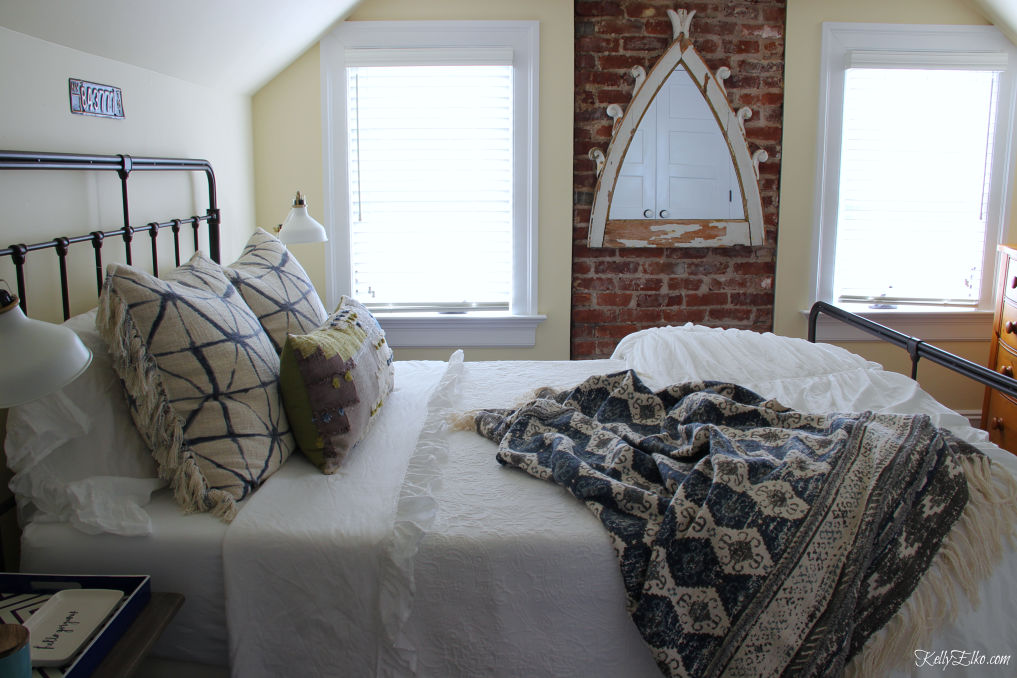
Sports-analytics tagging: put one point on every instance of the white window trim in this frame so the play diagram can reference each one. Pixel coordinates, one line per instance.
(517, 327)
(931, 326)
(965, 42)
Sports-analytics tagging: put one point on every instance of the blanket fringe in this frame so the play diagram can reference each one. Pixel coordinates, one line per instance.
(158, 423)
(462, 421)
(966, 557)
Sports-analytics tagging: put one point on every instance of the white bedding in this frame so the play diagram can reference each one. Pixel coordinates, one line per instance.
(398, 566)
(183, 553)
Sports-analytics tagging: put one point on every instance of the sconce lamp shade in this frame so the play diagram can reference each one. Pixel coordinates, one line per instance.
(301, 226)
(38, 357)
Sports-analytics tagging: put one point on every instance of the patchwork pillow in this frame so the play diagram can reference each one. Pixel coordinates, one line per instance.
(200, 375)
(276, 287)
(334, 381)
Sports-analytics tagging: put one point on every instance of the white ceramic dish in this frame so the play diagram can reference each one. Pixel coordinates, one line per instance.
(65, 622)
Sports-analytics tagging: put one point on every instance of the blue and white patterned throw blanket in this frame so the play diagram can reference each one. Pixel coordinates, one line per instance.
(753, 540)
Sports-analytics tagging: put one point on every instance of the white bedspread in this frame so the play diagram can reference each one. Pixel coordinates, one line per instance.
(399, 566)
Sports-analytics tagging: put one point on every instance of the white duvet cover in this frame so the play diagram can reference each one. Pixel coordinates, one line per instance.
(461, 567)
(425, 557)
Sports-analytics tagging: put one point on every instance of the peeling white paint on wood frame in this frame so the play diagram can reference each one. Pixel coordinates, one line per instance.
(606, 232)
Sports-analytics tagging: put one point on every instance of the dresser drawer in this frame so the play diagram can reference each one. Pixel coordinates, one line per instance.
(1001, 421)
(1008, 324)
(1009, 281)
(1006, 360)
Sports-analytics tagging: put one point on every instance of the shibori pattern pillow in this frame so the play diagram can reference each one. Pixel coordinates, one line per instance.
(200, 376)
(334, 382)
(276, 287)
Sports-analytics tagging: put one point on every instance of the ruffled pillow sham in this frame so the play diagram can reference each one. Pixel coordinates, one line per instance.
(76, 454)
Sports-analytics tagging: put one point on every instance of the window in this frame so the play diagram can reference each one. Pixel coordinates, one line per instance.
(916, 126)
(430, 156)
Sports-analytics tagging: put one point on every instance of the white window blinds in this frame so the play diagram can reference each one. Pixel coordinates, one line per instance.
(430, 153)
(914, 180)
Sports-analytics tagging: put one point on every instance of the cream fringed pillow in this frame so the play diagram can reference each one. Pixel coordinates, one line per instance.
(201, 376)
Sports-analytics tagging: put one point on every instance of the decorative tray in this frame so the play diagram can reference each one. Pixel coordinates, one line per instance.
(74, 620)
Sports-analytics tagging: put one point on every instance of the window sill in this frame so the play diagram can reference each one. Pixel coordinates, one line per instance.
(927, 323)
(459, 330)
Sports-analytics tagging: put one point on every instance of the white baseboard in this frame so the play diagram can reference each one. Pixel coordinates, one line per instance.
(974, 416)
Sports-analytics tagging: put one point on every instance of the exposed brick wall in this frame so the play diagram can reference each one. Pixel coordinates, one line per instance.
(616, 291)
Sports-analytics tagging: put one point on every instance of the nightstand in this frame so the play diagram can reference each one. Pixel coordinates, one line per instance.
(126, 656)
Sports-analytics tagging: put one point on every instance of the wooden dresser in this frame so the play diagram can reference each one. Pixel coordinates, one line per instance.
(999, 412)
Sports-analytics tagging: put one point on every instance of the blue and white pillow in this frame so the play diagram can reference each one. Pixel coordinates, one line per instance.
(201, 378)
(276, 287)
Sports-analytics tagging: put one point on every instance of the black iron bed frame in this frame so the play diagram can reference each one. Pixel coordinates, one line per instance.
(916, 348)
(123, 165)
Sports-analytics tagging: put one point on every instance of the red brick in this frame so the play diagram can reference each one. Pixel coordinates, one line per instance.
(644, 44)
(597, 8)
(639, 315)
(657, 300)
(705, 299)
(615, 267)
(751, 299)
(741, 11)
(594, 315)
(640, 10)
(741, 46)
(730, 313)
(596, 284)
(597, 44)
(661, 27)
(615, 299)
(665, 267)
(618, 62)
(614, 331)
(754, 268)
(612, 96)
(640, 284)
(642, 253)
(584, 350)
(685, 283)
(683, 315)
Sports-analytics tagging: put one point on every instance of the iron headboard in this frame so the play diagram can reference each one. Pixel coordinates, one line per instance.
(123, 165)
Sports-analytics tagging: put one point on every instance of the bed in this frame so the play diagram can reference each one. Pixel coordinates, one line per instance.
(421, 554)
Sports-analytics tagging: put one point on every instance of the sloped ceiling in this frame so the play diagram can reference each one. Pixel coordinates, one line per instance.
(238, 45)
(1003, 13)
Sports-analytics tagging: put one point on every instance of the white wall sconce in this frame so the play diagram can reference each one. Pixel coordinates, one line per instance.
(299, 226)
(38, 357)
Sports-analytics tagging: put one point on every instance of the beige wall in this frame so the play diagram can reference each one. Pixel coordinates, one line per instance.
(798, 175)
(288, 155)
(164, 117)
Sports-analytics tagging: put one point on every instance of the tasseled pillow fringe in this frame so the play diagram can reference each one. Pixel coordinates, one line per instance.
(154, 415)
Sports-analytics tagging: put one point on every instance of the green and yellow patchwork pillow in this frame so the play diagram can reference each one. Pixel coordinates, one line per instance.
(334, 382)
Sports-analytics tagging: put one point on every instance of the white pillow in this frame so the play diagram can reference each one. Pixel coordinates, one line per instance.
(670, 355)
(76, 454)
